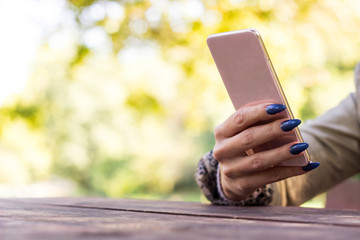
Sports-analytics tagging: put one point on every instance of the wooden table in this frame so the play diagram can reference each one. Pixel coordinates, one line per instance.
(100, 218)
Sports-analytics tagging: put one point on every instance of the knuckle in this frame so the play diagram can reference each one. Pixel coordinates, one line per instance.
(257, 163)
(217, 131)
(226, 170)
(240, 116)
(274, 129)
(218, 152)
(247, 137)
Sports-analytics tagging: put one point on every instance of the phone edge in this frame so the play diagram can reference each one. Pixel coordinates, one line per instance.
(297, 131)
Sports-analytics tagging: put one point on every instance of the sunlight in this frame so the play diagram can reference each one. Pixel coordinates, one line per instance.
(21, 38)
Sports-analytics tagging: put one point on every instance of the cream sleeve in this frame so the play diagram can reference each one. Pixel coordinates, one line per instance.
(334, 140)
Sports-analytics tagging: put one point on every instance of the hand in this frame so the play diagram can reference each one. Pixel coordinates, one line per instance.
(241, 170)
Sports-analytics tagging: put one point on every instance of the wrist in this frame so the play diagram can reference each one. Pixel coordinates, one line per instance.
(260, 196)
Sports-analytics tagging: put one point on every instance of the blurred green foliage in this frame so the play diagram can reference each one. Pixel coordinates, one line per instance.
(127, 105)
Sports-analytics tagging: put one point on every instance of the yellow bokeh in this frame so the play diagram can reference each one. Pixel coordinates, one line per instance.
(120, 98)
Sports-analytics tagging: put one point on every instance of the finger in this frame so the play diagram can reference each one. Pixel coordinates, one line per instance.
(254, 137)
(247, 116)
(260, 161)
(270, 175)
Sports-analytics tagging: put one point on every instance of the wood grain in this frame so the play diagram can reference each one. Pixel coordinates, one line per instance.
(141, 219)
(288, 214)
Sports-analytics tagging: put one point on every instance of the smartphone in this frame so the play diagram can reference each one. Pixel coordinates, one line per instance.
(248, 75)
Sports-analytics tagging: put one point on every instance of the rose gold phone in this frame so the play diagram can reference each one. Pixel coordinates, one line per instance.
(249, 76)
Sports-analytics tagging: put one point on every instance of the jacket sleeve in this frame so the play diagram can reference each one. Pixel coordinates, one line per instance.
(334, 140)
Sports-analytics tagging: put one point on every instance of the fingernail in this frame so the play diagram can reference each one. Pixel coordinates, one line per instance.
(311, 166)
(290, 124)
(298, 148)
(275, 108)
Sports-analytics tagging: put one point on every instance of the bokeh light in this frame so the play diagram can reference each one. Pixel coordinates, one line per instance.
(120, 98)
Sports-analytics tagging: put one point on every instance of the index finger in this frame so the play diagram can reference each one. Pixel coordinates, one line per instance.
(248, 116)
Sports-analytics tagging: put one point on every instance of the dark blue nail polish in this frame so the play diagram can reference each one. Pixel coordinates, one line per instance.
(275, 108)
(311, 166)
(290, 124)
(298, 148)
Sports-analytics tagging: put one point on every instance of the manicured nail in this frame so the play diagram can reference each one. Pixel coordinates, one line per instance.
(298, 148)
(275, 108)
(311, 166)
(290, 124)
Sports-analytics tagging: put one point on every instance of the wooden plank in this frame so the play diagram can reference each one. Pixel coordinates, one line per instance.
(283, 214)
(25, 220)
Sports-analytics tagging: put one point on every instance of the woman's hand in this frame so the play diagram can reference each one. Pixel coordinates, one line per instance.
(243, 171)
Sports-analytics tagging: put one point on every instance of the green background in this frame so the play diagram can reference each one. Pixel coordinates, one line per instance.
(128, 105)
